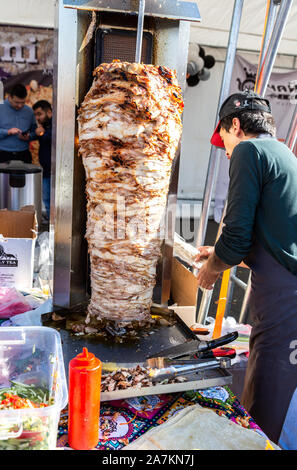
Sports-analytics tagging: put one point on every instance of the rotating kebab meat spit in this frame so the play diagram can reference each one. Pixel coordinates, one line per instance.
(129, 131)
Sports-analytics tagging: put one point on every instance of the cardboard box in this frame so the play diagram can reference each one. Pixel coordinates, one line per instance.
(187, 314)
(183, 292)
(18, 232)
(184, 285)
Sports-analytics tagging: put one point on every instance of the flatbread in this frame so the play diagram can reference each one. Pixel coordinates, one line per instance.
(198, 428)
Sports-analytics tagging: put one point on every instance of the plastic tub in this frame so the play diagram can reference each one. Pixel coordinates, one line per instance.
(32, 356)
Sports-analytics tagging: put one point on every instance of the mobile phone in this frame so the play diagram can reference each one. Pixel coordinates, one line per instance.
(25, 132)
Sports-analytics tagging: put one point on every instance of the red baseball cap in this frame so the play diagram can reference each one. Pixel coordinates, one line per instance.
(216, 138)
(241, 101)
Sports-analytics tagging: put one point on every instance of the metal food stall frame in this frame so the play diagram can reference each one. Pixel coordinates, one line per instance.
(169, 21)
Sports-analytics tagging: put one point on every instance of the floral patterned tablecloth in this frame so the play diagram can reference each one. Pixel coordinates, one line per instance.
(123, 421)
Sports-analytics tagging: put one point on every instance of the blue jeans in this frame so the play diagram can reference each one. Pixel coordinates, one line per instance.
(46, 194)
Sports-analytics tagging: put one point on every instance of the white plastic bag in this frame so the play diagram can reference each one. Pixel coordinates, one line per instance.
(12, 302)
(42, 262)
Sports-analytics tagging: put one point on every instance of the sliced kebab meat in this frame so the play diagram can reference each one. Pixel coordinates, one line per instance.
(129, 131)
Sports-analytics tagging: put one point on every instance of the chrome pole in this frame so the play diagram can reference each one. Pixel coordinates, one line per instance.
(139, 31)
(215, 153)
(292, 132)
(272, 48)
(268, 28)
(245, 303)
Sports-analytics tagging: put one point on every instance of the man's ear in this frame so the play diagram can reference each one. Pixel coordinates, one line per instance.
(236, 126)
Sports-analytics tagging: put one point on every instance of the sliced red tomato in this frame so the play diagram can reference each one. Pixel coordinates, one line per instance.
(34, 435)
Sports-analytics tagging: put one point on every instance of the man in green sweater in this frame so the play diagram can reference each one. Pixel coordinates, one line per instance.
(260, 231)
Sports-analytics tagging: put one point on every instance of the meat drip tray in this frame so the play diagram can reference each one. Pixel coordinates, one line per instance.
(203, 379)
(165, 334)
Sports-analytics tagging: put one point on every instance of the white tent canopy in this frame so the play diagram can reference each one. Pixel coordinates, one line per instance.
(216, 20)
(35, 13)
(213, 29)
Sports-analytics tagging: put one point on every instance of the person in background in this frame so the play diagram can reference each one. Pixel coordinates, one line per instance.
(43, 113)
(17, 126)
(260, 230)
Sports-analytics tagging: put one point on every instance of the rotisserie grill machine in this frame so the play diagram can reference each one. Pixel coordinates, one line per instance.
(87, 33)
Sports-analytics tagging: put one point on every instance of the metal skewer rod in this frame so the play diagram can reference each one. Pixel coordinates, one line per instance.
(139, 31)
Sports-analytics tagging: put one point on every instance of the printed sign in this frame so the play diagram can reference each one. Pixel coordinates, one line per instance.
(17, 262)
(7, 259)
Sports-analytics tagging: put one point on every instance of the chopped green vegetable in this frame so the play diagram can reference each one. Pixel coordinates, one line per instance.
(31, 392)
(38, 432)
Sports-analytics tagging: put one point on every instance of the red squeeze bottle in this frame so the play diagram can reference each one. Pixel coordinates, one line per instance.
(84, 401)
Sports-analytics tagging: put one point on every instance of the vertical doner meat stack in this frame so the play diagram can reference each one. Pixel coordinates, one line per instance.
(129, 131)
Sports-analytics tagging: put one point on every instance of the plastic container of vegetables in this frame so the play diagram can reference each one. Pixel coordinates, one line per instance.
(33, 387)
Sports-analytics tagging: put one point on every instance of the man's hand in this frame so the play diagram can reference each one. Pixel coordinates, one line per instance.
(206, 277)
(24, 137)
(14, 131)
(204, 253)
(39, 130)
(211, 269)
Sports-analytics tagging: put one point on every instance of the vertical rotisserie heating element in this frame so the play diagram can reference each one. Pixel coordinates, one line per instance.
(129, 131)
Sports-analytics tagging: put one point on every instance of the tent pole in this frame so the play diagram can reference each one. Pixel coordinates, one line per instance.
(272, 48)
(268, 28)
(292, 132)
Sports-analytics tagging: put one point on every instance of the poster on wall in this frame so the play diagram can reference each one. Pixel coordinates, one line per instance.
(26, 56)
(281, 92)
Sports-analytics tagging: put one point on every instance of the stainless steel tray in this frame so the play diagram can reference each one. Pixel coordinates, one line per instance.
(160, 338)
(204, 379)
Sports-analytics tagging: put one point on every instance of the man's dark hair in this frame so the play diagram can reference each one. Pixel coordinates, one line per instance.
(43, 104)
(19, 91)
(251, 122)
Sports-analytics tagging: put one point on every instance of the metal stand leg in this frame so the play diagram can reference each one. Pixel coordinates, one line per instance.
(244, 307)
(230, 290)
(204, 297)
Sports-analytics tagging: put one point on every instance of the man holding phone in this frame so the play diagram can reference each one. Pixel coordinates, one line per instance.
(17, 126)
